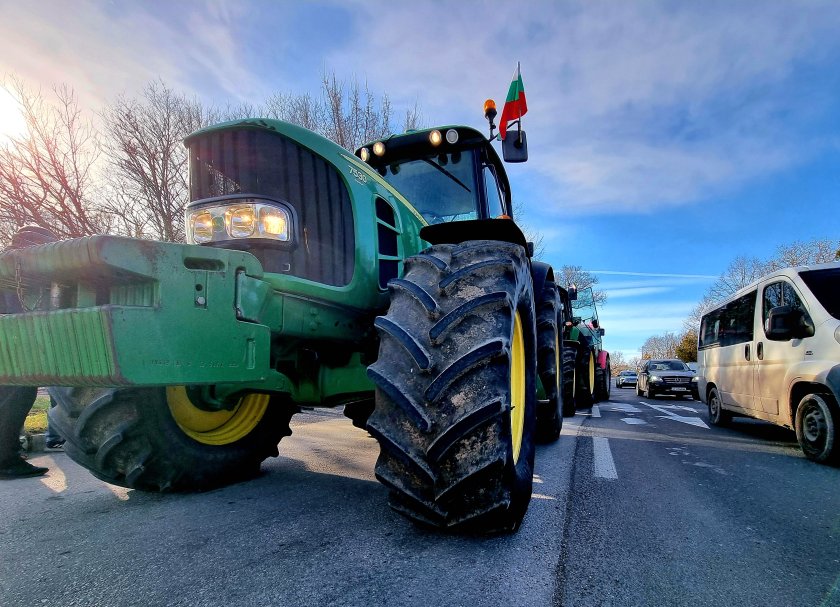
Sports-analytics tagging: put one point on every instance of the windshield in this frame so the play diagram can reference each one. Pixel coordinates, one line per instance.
(669, 365)
(825, 285)
(440, 186)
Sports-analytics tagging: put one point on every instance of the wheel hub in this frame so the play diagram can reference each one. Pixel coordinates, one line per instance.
(814, 425)
(216, 427)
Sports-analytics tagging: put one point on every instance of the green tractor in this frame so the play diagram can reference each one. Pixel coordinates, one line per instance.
(584, 357)
(393, 282)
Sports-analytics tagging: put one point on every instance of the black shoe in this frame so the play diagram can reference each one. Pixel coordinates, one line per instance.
(19, 468)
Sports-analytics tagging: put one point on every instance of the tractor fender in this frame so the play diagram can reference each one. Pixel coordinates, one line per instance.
(540, 272)
(603, 357)
(456, 232)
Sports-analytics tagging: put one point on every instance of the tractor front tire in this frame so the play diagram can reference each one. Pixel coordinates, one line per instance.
(155, 439)
(456, 388)
(549, 347)
(602, 383)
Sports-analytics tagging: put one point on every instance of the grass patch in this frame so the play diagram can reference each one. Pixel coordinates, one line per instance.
(36, 420)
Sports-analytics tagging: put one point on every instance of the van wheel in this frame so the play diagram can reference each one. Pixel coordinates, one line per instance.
(717, 415)
(816, 428)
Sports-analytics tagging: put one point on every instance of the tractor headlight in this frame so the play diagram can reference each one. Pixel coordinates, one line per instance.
(241, 219)
(435, 138)
(379, 148)
(364, 154)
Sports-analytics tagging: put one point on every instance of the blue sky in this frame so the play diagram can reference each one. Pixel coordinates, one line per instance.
(665, 138)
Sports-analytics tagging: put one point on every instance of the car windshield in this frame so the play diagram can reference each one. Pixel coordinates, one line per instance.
(825, 285)
(669, 365)
(440, 186)
(628, 373)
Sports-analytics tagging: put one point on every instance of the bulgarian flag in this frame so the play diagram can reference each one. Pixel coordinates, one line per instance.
(515, 105)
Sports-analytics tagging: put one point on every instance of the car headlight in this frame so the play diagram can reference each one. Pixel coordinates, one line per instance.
(655, 378)
(240, 219)
(695, 379)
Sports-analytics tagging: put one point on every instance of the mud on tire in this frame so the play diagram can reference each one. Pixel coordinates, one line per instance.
(569, 377)
(444, 414)
(129, 437)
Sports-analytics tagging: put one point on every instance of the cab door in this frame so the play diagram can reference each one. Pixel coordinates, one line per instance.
(774, 357)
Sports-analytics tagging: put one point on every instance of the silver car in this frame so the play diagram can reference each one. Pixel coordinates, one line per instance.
(625, 379)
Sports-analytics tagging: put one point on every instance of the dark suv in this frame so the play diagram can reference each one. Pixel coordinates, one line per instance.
(667, 376)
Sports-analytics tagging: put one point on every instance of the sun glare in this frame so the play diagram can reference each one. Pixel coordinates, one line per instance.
(12, 123)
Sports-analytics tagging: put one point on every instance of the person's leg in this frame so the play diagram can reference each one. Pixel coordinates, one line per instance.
(53, 438)
(15, 403)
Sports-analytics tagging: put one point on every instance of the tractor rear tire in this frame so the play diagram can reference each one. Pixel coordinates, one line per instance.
(569, 377)
(549, 346)
(586, 374)
(456, 388)
(130, 437)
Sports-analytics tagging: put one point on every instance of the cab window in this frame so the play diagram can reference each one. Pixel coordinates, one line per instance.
(778, 294)
(495, 204)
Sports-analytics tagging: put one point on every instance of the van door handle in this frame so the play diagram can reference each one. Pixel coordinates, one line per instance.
(759, 350)
(747, 351)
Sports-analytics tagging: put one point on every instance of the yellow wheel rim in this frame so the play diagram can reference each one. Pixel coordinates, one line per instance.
(591, 371)
(517, 387)
(216, 427)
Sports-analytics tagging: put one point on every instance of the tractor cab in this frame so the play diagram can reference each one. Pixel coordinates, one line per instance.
(449, 174)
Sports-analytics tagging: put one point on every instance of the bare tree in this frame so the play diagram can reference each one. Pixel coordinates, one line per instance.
(46, 175)
(575, 275)
(805, 253)
(660, 346)
(618, 363)
(149, 161)
(352, 117)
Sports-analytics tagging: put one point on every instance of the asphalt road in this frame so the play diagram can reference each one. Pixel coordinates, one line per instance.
(667, 511)
(634, 505)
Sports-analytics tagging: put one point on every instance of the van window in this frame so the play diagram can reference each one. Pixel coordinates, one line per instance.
(778, 294)
(825, 285)
(729, 325)
(738, 320)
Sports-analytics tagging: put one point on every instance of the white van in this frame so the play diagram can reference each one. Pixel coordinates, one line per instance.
(772, 351)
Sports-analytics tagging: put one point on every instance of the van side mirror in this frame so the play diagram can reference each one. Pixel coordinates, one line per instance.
(515, 146)
(573, 293)
(601, 332)
(786, 322)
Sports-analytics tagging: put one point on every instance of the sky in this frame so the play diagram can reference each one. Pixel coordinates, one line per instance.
(665, 138)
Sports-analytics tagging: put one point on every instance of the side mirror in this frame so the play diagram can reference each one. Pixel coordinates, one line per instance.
(786, 322)
(515, 146)
(601, 332)
(575, 320)
(529, 249)
(572, 293)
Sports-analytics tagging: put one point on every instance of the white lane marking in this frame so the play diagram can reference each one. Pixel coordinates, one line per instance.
(596, 411)
(691, 421)
(634, 421)
(680, 408)
(624, 408)
(603, 460)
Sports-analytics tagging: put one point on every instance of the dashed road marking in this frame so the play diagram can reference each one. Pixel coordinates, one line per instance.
(634, 421)
(691, 421)
(603, 460)
(596, 411)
